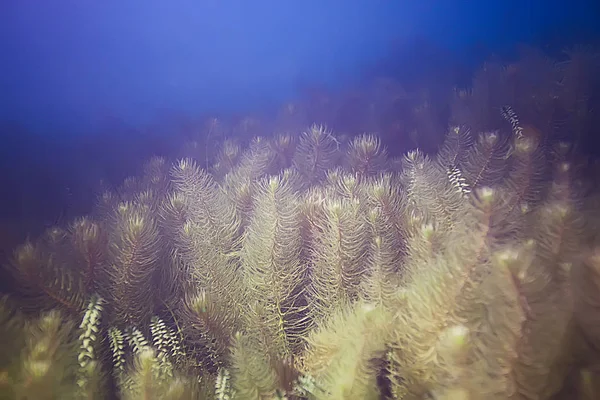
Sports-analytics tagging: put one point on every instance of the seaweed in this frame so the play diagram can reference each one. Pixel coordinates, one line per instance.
(300, 267)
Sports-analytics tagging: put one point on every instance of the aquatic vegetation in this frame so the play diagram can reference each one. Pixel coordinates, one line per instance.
(310, 267)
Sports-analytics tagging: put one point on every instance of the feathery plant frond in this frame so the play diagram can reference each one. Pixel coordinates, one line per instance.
(367, 156)
(557, 224)
(252, 374)
(345, 185)
(133, 255)
(453, 151)
(207, 205)
(273, 268)
(151, 381)
(173, 213)
(228, 158)
(341, 353)
(485, 162)
(148, 199)
(155, 176)
(46, 276)
(438, 290)
(453, 154)
(293, 180)
(453, 363)
(317, 151)
(90, 245)
(429, 191)
(538, 331)
(188, 177)
(385, 193)
(128, 190)
(47, 368)
(106, 203)
(524, 182)
(338, 251)
(62, 268)
(284, 146)
(208, 325)
(240, 184)
(40, 357)
(423, 242)
(389, 234)
(208, 245)
(383, 276)
(210, 239)
(312, 207)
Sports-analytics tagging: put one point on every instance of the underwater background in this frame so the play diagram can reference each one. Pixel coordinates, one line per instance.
(310, 200)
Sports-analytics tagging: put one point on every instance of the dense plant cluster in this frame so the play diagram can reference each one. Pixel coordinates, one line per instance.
(311, 265)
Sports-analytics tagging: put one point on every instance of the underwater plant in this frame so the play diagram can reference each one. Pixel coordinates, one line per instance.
(308, 267)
